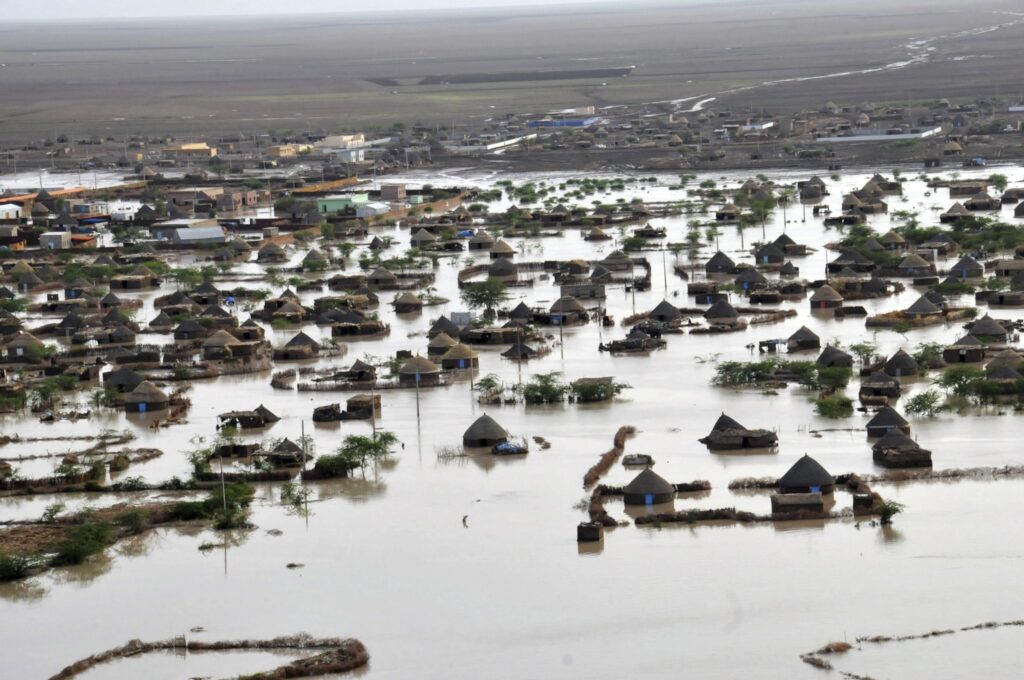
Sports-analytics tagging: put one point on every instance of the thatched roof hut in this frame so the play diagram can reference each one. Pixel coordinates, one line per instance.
(648, 488)
(146, 398)
(459, 357)
(440, 343)
(443, 325)
(502, 249)
(806, 476)
(886, 420)
(989, 330)
(901, 365)
(727, 434)
(833, 357)
(122, 379)
(484, 431)
(719, 263)
(897, 450)
(803, 338)
(664, 312)
(922, 307)
(407, 302)
(419, 370)
(826, 297)
(721, 312)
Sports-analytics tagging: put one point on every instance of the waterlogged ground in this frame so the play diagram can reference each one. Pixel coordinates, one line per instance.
(387, 557)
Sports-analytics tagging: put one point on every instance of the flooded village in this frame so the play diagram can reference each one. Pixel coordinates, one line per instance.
(669, 388)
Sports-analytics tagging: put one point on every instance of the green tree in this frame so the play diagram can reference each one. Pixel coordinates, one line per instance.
(484, 295)
(359, 450)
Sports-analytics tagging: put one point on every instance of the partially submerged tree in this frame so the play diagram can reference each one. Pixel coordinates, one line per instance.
(484, 295)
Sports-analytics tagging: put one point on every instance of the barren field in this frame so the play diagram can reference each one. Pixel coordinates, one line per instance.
(337, 71)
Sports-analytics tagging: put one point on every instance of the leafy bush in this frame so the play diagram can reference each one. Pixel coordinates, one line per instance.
(889, 509)
(925, 403)
(744, 372)
(81, 542)
(834, 406)
(13, 567)
(545, 388)
(133, 520)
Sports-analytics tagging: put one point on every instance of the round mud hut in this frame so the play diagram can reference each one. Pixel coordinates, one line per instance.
(419, 371)
(484, 432)
(806, 476)
(146, 398)
(648, 488)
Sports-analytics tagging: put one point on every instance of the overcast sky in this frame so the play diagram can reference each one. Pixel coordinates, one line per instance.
(99, 9)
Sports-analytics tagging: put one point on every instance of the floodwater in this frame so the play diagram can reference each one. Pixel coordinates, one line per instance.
(469, 568)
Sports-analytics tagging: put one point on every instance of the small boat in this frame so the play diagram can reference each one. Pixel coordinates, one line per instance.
(636, 459)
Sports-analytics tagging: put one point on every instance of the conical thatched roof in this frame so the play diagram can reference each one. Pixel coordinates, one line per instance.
(831, 354)
(806, 472)
(988, 327)
(721, 310)
(419, 364)
(826, 293)
(788, 269)
(900, 361)
(750, 276)
(649, 482)
(913, 260)
(665, 310)
(887, 416)
(265, 413)
(521, 311)
(123, 377)
(481, 237)
(442, 340)
(485, 427)
(444, 325)
(803, 334)
(302, 340)
(724, 422)
(161, 320)
(923, 306)
(968, 341)
(1002, 371)
(502, 248)
(720, 261)
(146, 392)
(519, 351)
(567, 304)
(220, 339)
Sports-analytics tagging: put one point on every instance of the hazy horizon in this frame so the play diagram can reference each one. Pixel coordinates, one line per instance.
(66, 10)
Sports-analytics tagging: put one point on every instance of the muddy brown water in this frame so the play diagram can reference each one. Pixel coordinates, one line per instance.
(388, 560)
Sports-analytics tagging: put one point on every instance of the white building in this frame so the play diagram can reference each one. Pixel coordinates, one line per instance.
(55, 240)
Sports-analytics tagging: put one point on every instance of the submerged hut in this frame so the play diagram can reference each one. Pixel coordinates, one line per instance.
(966, 350)
(879, 387)
(419, 371)
(146, 398)
(460, 356)
(886, 420)
(897, 450)
(826, 297)
(648, 488)
(720, 263)
(727, 434)
(806, 476)
(803, 338)
(485, 431)
(665, 312)
(901, 365)
(833, 357)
